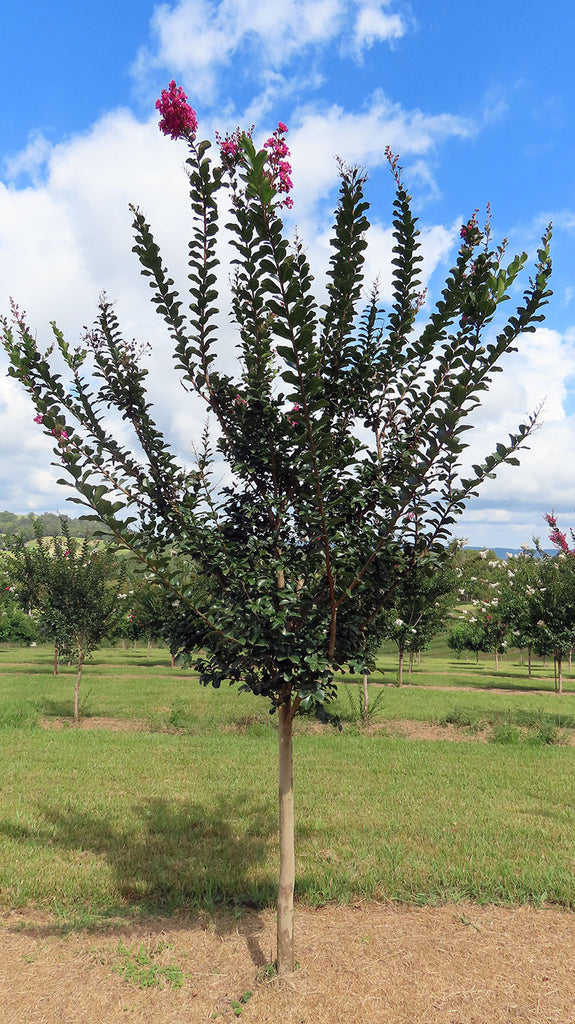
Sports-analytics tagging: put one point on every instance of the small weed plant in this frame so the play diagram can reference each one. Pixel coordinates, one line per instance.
(359, 713)
(140, 969)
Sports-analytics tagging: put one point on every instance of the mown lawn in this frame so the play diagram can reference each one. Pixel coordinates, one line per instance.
(97, 823)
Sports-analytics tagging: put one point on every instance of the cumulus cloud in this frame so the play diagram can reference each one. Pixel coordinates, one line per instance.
(31, 160)
(196, 38)
(533, 378)
(318, 136)
(374, 25)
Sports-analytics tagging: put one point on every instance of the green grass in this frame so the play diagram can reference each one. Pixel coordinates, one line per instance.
(101, 824)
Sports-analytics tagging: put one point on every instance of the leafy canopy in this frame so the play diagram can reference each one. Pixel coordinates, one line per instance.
(343, 430)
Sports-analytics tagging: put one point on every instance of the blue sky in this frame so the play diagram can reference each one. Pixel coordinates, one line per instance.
(479, 100)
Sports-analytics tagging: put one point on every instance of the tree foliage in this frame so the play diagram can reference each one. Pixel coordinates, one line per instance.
(72, 587)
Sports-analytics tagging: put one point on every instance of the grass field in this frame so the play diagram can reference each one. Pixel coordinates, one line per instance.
(171, 801)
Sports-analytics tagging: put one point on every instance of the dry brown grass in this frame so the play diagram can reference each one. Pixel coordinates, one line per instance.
(367, 964)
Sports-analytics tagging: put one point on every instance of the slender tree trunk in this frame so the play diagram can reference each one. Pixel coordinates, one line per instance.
(410, 662)
(285, 959)
(400, 668)
(365, 708)
(558, 673)
(529, 658)
(56, 659)
(496, 657)
(77, 688)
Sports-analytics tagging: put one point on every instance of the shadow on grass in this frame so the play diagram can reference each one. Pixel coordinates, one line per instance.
(171, 853)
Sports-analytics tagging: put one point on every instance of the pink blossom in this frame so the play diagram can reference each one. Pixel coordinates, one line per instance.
(239, 400)
(39, 418)
(230, 146)
(279, 168)
(556, 536)
(178, 117)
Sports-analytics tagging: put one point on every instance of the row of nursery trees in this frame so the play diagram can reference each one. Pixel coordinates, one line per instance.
(342, 430)
(526, 602)
(78, 594)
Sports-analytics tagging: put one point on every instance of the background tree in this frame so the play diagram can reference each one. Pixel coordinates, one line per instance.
(158, 614)
(16, 626)
(552, 601)
(343, 430)
(518, 582)
(421, 601)
(466, 635)
(74, 589)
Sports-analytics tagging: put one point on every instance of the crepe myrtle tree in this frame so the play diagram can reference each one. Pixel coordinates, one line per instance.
(422, 598)
(343, 428)
(552, 600)
(73, 586)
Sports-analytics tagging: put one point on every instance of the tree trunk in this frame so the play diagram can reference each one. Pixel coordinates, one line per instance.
(55, 659)
(496, 658)
(410, 662)
(529, 659)
(400, 668)
(558, 673)
(77, 689)
(285, 960)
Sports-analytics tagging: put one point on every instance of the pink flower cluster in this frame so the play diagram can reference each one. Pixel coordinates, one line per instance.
(178, 117)
(279, 168)
(296, 407)
(471, 232)
(556, 536)
(230, 149)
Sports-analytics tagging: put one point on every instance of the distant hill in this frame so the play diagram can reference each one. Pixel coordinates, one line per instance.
(11, 524)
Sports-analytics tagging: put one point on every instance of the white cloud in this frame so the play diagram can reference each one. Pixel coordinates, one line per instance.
(30, 160)
(374, 25)
(198, 38)
(318, 136)
(519, 495)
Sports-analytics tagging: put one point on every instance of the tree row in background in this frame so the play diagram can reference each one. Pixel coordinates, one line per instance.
(525, 602)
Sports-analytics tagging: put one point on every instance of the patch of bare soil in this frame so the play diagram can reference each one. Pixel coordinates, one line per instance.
(369, 964)
(412, 730)
(97, 722)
